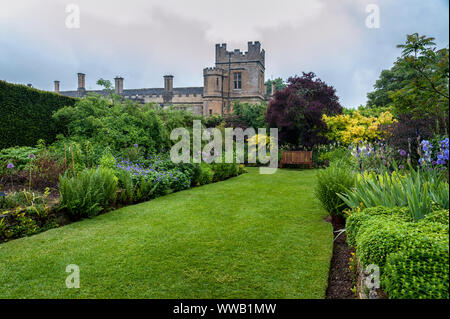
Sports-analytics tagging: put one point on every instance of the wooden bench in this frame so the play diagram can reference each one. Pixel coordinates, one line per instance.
(296, 157)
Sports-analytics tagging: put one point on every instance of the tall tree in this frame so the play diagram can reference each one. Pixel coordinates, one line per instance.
(297, 110)
(389, 81)
(417, 85)
(279, 85)
(426, 94)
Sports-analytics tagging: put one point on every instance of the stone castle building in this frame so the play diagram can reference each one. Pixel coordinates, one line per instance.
(237, 76)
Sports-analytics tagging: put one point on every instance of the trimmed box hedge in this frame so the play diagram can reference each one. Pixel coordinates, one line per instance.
(413, 256)
(26, 115)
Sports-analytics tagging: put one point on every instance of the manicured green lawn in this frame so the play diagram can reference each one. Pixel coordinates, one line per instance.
(253, 236)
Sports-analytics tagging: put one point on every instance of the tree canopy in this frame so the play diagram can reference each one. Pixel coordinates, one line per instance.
(297, 110)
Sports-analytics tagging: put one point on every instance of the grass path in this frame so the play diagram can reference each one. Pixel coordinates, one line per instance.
(253, 236)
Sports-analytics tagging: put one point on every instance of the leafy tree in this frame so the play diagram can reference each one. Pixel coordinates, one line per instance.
(417, 84)
(426, 94)
(389, 81)
(298, 109)
(368, 111)
(253, 115)
(279, 85)
(106, 84)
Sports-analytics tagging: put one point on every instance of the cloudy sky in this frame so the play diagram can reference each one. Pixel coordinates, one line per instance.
(142, 40)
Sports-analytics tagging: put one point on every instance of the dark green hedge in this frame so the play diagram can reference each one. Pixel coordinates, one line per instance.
(26, 115)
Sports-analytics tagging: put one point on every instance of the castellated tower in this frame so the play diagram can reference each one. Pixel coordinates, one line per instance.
(213, 91)
(238, 76)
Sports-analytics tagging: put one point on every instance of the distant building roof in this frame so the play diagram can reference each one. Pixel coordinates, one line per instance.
(141, 92)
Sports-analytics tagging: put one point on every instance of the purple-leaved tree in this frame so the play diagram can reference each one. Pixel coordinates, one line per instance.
(297, 110)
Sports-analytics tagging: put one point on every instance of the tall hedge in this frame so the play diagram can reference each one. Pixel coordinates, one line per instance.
(26, 114)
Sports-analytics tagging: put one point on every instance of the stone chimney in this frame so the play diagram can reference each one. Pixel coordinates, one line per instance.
(118, 85)
(273, 88)
(81, 84)
(56, 86)
(168, 89)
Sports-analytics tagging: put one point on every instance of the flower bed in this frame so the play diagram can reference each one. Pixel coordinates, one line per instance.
(91, 191)
(397, 216)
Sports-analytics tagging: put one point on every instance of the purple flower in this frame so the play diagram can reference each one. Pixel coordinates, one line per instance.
(135, 145)
(402, 153)
(10, 166)
(401, 167)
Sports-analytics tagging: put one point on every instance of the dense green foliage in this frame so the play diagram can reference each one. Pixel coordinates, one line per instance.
(27, 115)
(117, 126)
(413, 256)
(279, 85)
(252, 115)
(360, 217)
(202, 175)
(88, 193)
(330, 182)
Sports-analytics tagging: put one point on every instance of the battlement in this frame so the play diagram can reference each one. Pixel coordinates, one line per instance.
(254, 53)
(213, 71)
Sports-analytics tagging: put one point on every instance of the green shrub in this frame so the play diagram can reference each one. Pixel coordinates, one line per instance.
(108, 161)
(179, 181)
(358, 218)
(242, 169)
(88, 193)
(134, 189)
(340, 156)
(413, 256)
(27, 115)
(438, 216)
(206, 174)
(223, 171)
(117, 125)
(422, 272)
(381, 236)
(330, 182)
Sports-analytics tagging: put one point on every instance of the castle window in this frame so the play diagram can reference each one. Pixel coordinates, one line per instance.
(237, 80)
(217, 82)
(210, 112)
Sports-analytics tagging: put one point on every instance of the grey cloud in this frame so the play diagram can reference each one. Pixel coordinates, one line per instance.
(143, 40)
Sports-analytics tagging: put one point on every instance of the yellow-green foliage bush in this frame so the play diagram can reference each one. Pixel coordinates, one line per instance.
(353, 128)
